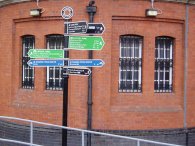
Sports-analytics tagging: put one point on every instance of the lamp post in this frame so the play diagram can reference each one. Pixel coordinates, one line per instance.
(91, 10)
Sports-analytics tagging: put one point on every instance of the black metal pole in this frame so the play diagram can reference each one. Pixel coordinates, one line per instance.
(65, 110)
(187, 137)
(65, 95)
(91, 10)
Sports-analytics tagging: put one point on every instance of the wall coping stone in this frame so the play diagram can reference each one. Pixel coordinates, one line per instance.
(7, 2)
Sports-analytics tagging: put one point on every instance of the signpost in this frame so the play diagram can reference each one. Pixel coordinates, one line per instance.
(76, 27)
(55, 58)
(45, 53)
(77, 71)
(85, 42)
(66, 63)
(67, 13)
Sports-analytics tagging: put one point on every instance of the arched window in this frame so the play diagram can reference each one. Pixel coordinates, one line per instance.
(55, 74)
(130, 69)
(163, 64)
(28, 42)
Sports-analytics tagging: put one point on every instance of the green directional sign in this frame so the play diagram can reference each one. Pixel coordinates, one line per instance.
(85, 42)
(45, 53)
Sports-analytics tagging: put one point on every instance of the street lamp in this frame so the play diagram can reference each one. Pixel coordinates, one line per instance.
(35, 12)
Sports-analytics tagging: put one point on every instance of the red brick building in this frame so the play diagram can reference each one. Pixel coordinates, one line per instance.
(147, 81)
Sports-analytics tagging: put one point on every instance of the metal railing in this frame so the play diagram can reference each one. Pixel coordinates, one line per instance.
(138, 141)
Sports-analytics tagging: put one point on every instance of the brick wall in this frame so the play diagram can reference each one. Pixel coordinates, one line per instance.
(111, 110)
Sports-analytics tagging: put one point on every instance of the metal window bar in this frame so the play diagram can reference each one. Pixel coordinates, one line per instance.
(163, 64)
(28, 42)
(54, 74)
(103, 138)
(130, 63)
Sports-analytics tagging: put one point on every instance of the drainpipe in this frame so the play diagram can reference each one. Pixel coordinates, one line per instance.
(91, 10)
(186, 69)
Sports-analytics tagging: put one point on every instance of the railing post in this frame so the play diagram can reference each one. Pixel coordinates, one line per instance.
(83, 138)
(31, 133)
(138, 143)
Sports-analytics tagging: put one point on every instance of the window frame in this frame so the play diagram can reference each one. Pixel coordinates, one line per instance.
(28, 76)
(127, 64)
(164, 63)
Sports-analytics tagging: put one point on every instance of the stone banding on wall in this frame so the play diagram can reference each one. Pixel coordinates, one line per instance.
(6, 2)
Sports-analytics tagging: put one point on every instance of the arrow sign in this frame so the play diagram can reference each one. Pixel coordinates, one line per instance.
(76, 27)
(45, 53)
(66, 63)
(85, 42)
(86, 63)
(95, 28)
(77, 71)
(45, 63)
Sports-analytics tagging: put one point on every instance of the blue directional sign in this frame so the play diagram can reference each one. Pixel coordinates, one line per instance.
(45, 63)
(86, 63)
(66, 62)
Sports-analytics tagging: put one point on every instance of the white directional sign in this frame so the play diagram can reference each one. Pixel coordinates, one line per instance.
(83, 27)
(77, 71)
(76, 27)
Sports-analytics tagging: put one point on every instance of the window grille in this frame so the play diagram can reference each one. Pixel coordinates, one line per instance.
(28, 43)
(130, 66)
(54, 74)
(163, 64)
